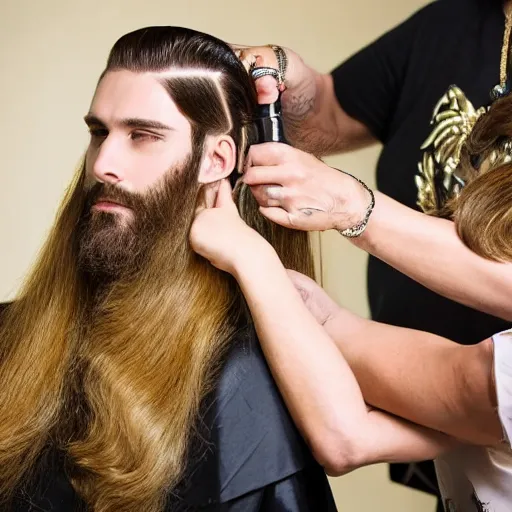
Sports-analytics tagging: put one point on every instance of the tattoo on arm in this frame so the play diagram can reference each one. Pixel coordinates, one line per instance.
(302, 126)
(299, 106)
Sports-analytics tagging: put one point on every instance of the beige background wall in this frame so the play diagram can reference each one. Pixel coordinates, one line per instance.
(51, 53)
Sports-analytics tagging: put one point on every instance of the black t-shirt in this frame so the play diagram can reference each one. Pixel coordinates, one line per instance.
(250, 458)
(392, 86)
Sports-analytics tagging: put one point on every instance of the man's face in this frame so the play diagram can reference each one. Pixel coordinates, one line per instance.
(139, 141)
(137, 132)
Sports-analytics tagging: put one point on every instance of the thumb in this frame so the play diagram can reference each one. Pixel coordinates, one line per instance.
(224, 195)
(266, 90)
(209, 197)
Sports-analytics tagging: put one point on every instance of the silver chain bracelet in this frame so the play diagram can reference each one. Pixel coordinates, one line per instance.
(359, 228)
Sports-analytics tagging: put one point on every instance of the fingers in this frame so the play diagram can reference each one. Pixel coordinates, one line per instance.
(256, 56)
(269, 153)
(224, 197)
(216, 195)
(267, 89)
(301, 282)
(256, 176)
(209, 197)
(246, 55)
(277, 215)
(268, 195)
(299, 279)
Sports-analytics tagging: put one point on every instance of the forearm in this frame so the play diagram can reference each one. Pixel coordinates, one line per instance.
(319, 389)
(315, 122)
(316, 383)
(422, 377)
(428, 250)
(389, 438)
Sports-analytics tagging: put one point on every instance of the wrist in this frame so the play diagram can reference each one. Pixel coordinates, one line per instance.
(252, 258)
(358, 203)
(343, 324)
(370, 240)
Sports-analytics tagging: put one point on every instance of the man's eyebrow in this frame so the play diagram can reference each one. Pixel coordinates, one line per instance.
(131, 122)
(135, 122)
(91, 120)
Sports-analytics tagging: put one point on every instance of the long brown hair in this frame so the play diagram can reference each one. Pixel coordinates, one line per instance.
(117, 388)
(483, 210)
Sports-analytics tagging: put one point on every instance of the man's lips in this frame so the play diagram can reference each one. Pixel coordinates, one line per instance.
(106, 203)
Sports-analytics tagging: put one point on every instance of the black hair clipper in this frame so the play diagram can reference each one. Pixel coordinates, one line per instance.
(266, 127)
(269, 123)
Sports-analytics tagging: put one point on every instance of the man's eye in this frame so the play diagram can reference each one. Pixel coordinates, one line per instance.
(143, 136)
(98, 132)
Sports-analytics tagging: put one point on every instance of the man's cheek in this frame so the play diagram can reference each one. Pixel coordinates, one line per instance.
(89, 165)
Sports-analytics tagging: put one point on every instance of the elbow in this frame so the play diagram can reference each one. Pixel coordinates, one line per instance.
(478, 397)
(337, 454)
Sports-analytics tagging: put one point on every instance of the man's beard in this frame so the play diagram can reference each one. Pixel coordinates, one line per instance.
(112, 245)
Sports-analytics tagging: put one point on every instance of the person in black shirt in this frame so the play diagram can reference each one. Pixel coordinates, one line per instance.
(387, 92)
(132, 378)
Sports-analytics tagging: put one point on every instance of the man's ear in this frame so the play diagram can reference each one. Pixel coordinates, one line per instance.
(219, 159)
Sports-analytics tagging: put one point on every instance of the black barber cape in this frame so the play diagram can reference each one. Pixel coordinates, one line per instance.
(253, 458)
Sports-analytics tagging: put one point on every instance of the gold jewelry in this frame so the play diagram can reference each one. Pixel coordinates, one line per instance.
(453, 120)
(506, 45)
(504, 88)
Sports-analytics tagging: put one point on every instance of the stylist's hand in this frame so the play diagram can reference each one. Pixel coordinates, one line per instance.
(221, 236)
(298, 191)
(299, 89)
(263, 56)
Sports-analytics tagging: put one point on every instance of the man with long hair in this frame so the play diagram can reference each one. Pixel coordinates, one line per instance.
(131, 377)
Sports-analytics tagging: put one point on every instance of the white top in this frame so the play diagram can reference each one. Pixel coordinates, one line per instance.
(479, 479)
